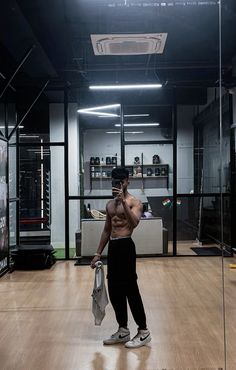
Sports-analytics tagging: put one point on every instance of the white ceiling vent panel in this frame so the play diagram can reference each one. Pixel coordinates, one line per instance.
(129, 44)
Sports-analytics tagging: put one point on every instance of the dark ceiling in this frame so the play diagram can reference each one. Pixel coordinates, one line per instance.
(60, 31)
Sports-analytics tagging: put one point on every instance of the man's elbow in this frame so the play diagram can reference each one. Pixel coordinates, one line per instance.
(135, 223)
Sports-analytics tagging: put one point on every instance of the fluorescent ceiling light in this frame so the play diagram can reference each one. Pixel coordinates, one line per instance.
(125, 87)
(126, 132)
(98, 113)
(26, 136)
(137, 115)
(97, 108)
(138, 124)
(39, 150)
(12, 127)
(128, 115)
(106, 116)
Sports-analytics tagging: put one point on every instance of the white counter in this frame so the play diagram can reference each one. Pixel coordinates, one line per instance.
(147, 236)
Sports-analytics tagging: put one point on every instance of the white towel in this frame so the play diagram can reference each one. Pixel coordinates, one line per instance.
(100, 298)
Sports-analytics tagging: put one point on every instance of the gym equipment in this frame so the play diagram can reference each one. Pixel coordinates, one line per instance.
(27, 257)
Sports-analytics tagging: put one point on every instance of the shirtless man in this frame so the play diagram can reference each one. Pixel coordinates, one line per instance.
(123, 215)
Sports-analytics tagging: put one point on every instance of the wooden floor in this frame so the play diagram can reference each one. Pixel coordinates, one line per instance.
(46, 321)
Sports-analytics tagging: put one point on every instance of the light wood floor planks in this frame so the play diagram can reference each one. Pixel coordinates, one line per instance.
(46, 321)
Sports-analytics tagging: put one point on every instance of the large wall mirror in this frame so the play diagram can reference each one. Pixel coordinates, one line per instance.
(227, 173)
(150, 84)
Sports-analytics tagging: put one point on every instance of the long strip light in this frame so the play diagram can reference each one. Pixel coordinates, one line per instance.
(125, 87)
(99, 107)
(127, 115)
(11, 127)
(137, 115)
(126, 132)
(138, 124)
(107, 115)
(96, 110)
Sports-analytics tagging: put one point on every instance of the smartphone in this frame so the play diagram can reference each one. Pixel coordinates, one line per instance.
(116, 183)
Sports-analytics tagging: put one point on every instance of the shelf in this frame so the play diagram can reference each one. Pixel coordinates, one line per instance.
(99, 169)
(147, 165)
(103, 165)
(101, 178)
(130, 177)
(129, 165)
(153, 176)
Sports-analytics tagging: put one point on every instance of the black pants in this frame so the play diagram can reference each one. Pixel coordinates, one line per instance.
(122, 282)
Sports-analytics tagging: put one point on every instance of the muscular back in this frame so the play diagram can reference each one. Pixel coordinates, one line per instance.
(120, 225)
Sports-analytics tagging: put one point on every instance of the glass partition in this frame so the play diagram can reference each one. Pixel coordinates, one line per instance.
(86, 225)
(99, 149)
(42, 194)
(228, 174)
(199, 180)
(148, 123)
(151, 181)
(4, 243)
(12, 224)
(35, 126)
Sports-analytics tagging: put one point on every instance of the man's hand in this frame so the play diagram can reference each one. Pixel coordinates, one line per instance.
(94, 260)
(119, 192)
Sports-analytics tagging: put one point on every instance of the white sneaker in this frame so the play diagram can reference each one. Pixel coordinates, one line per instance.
(121, 336)
(143, 337)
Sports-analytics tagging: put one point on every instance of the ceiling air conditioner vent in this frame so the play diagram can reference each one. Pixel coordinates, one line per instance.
(129, 44)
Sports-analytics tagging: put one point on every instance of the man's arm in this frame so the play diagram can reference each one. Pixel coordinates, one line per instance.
(103, 240)
(133, 214)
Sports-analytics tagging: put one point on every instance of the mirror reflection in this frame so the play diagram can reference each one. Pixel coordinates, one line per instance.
(87, 86)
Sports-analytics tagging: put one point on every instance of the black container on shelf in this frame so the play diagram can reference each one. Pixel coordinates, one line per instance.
(114, 160)
(130, 169)
(157, 171)
(108, 160)
(149, 171)
(163, 171)
(97, 160)
(155, 159)
(136, 160)
(92, 160)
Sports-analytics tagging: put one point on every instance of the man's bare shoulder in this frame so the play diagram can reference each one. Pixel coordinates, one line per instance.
(110, 203)
(135, 202)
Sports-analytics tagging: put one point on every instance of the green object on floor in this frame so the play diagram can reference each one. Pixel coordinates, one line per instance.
(60, 253)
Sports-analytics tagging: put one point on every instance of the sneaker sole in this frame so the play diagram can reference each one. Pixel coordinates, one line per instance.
(107, 342)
